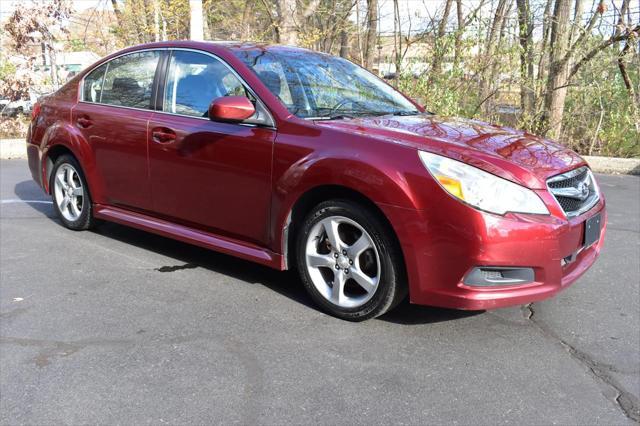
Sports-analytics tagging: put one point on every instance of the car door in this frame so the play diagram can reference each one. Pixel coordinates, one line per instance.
(112, 116)
(207, 174)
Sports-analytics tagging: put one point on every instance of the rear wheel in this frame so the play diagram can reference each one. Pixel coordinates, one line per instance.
(349, 261)
(70, 194)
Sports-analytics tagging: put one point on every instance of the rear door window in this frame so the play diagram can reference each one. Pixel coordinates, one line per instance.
(129, 80)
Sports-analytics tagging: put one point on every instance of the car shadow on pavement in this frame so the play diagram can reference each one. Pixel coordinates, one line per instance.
(188, 256)
(285, 283)
(28, 191)
(408, 314)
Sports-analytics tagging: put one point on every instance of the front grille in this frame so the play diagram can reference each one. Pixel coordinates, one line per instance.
(575, 191)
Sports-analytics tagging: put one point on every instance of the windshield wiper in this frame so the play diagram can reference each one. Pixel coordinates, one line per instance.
(330, 117)
(354, 114)
(405, 113)
(382, 113)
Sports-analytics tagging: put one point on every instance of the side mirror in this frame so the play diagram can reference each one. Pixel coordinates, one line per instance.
(231, 108)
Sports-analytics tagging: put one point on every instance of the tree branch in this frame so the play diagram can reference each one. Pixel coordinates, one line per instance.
(586, 58)
(587, 30)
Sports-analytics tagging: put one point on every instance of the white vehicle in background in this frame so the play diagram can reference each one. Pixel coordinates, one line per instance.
(16, 108)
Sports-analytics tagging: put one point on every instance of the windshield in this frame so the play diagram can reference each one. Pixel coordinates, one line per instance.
(318, 86)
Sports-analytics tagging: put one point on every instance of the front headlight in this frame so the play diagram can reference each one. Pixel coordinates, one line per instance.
(481, 189)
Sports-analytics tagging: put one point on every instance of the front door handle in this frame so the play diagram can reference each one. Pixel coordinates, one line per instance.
(163, 135)
(84, 122)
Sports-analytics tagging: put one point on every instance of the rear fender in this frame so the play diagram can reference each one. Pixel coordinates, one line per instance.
(68, 136)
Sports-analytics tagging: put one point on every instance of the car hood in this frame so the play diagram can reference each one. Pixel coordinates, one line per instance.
(506, 152)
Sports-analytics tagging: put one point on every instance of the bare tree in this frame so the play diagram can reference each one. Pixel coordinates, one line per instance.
(38, 25)
(287, 32)
(462, 24)
(489, 66)
(543, 62)
(371, 33)
(397, 38)
(525, 37)
(563, 67)
(440, 43)
(457, 48)
(556, 90)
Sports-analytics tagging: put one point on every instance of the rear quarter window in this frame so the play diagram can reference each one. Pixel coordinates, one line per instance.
(92, 88)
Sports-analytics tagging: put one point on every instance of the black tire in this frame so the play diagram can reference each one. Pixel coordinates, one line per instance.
(391, 288)
(85, 220)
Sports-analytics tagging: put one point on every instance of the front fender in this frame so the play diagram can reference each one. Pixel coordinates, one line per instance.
(371, 173)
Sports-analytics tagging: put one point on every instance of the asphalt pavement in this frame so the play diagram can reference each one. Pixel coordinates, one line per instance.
(117, 326)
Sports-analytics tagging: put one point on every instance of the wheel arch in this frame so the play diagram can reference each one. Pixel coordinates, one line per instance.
(52, 155)
(61, 139)
(316, 195)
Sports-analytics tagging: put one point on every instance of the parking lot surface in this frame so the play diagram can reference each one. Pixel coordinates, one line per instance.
(119, 326)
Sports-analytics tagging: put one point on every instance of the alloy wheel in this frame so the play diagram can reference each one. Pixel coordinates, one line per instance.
(69, 193)
(342, 261)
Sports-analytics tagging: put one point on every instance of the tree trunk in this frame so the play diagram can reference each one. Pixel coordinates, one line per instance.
(440, 44)
(544, 52)
(359, 35)
(459, 31)
(556, 89)
(577, 20)
(344, 44)
(287, 33)
(624, 9)
(55, 79)
(117, 12)
(397, 39)
(372, 33)
(156, 20)
(196, 26)
(489, 63)
(245, 31)
(634, 98)
(527, 92)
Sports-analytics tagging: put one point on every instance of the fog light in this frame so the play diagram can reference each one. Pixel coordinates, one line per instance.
(487, 276)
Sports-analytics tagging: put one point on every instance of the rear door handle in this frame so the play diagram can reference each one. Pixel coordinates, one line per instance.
(163, 135)
(84, 122)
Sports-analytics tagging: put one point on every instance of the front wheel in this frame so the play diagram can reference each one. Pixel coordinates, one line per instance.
(70, 192)
(349, 261)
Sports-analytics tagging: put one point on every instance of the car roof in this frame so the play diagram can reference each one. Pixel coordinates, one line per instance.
(224, 44)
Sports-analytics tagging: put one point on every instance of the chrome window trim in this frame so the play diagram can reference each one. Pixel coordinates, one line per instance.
(216, 57)
(568, 175)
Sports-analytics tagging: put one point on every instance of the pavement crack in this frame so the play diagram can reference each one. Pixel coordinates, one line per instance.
(176, 267)
(627, 402)
(527, 311)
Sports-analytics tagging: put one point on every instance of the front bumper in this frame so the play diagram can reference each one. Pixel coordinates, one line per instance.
(441, 245)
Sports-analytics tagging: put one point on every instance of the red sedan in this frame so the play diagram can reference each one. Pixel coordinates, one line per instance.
(297, 159)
